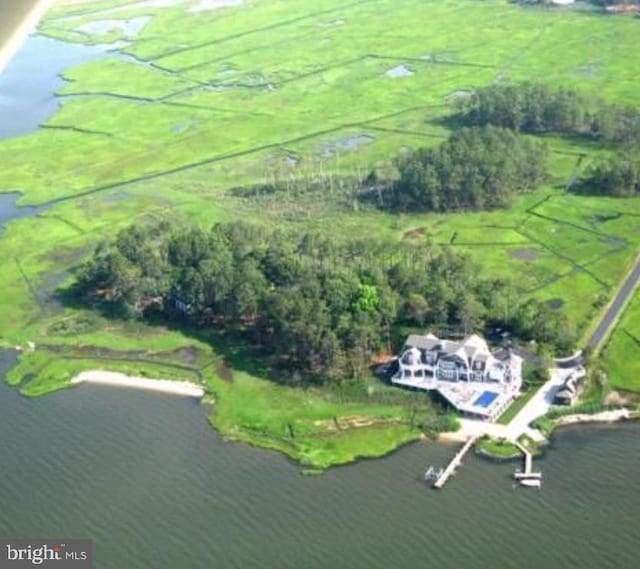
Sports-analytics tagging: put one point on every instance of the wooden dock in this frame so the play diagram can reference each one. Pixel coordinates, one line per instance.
(527, 473)
(455, 462)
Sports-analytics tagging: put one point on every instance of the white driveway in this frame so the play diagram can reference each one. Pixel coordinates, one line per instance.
(537, 406)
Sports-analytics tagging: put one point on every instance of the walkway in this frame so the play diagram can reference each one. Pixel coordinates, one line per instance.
(537, 406)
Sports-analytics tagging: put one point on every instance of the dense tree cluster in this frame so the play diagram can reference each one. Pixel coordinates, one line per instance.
(476, 168)
(617, 176)
(313, 309)
(537, 108)
(535, 320)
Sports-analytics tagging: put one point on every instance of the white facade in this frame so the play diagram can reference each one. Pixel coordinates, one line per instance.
(471, 377)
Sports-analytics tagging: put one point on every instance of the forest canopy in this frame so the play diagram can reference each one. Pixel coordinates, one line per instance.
(476, 168)
(311, 309)
(618, 175)
(538, 108)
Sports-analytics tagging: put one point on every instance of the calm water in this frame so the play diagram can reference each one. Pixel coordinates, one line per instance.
(146, 477)
(28, 84)
(9, 210)
(151, 483)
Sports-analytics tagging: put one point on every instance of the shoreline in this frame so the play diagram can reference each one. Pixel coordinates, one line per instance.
(116, 379)
(614, 416)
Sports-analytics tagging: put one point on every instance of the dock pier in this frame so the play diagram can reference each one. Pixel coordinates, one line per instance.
(455, 462)
(527, 473)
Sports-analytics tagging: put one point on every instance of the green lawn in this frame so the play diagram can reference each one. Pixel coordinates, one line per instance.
(497, 448)
(622, 353)
(517, 405)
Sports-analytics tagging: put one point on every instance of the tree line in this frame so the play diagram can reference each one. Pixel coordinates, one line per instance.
(486, 160)
(618, 175)
(537, 108)
(310, 308)
(475, 169)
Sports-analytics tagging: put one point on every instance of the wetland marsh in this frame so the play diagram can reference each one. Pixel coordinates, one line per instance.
(159, 130)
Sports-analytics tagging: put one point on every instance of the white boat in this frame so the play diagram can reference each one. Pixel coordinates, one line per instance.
(533, 482)
(432, 474)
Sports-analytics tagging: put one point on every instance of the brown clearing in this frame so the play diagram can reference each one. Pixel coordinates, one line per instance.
(351, 422)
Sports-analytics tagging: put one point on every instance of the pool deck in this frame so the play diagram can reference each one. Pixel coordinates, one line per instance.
(537, 406)
(467, 397)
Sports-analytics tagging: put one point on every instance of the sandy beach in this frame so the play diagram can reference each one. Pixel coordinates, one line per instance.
(185, 388)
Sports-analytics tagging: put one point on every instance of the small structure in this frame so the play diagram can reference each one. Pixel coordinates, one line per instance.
(571, 389)
(476, 381)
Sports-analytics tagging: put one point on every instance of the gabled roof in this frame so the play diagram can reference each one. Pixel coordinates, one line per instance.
(449, 347)
(475, 341)
(471, 351)
(427, 342)
(565, 394)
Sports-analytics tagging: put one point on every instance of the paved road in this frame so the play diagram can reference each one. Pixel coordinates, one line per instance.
(540, 403)
(618, 302)
(572, 361)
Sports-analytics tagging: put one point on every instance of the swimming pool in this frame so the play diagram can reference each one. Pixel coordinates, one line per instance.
(486, 399)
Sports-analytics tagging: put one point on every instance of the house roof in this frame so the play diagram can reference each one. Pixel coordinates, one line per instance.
(471, 351)
(565, 394)
(477, 342)
(502, 354)
(422, 342)
(449, 347)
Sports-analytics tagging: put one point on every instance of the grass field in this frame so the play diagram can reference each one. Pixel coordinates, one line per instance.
(622, 352)
(199, 103)
(499, 449)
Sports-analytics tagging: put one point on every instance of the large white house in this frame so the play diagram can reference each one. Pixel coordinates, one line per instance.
(476, 381)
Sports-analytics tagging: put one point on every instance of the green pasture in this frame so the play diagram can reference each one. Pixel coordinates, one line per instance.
(622, 353)
(277, 90)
